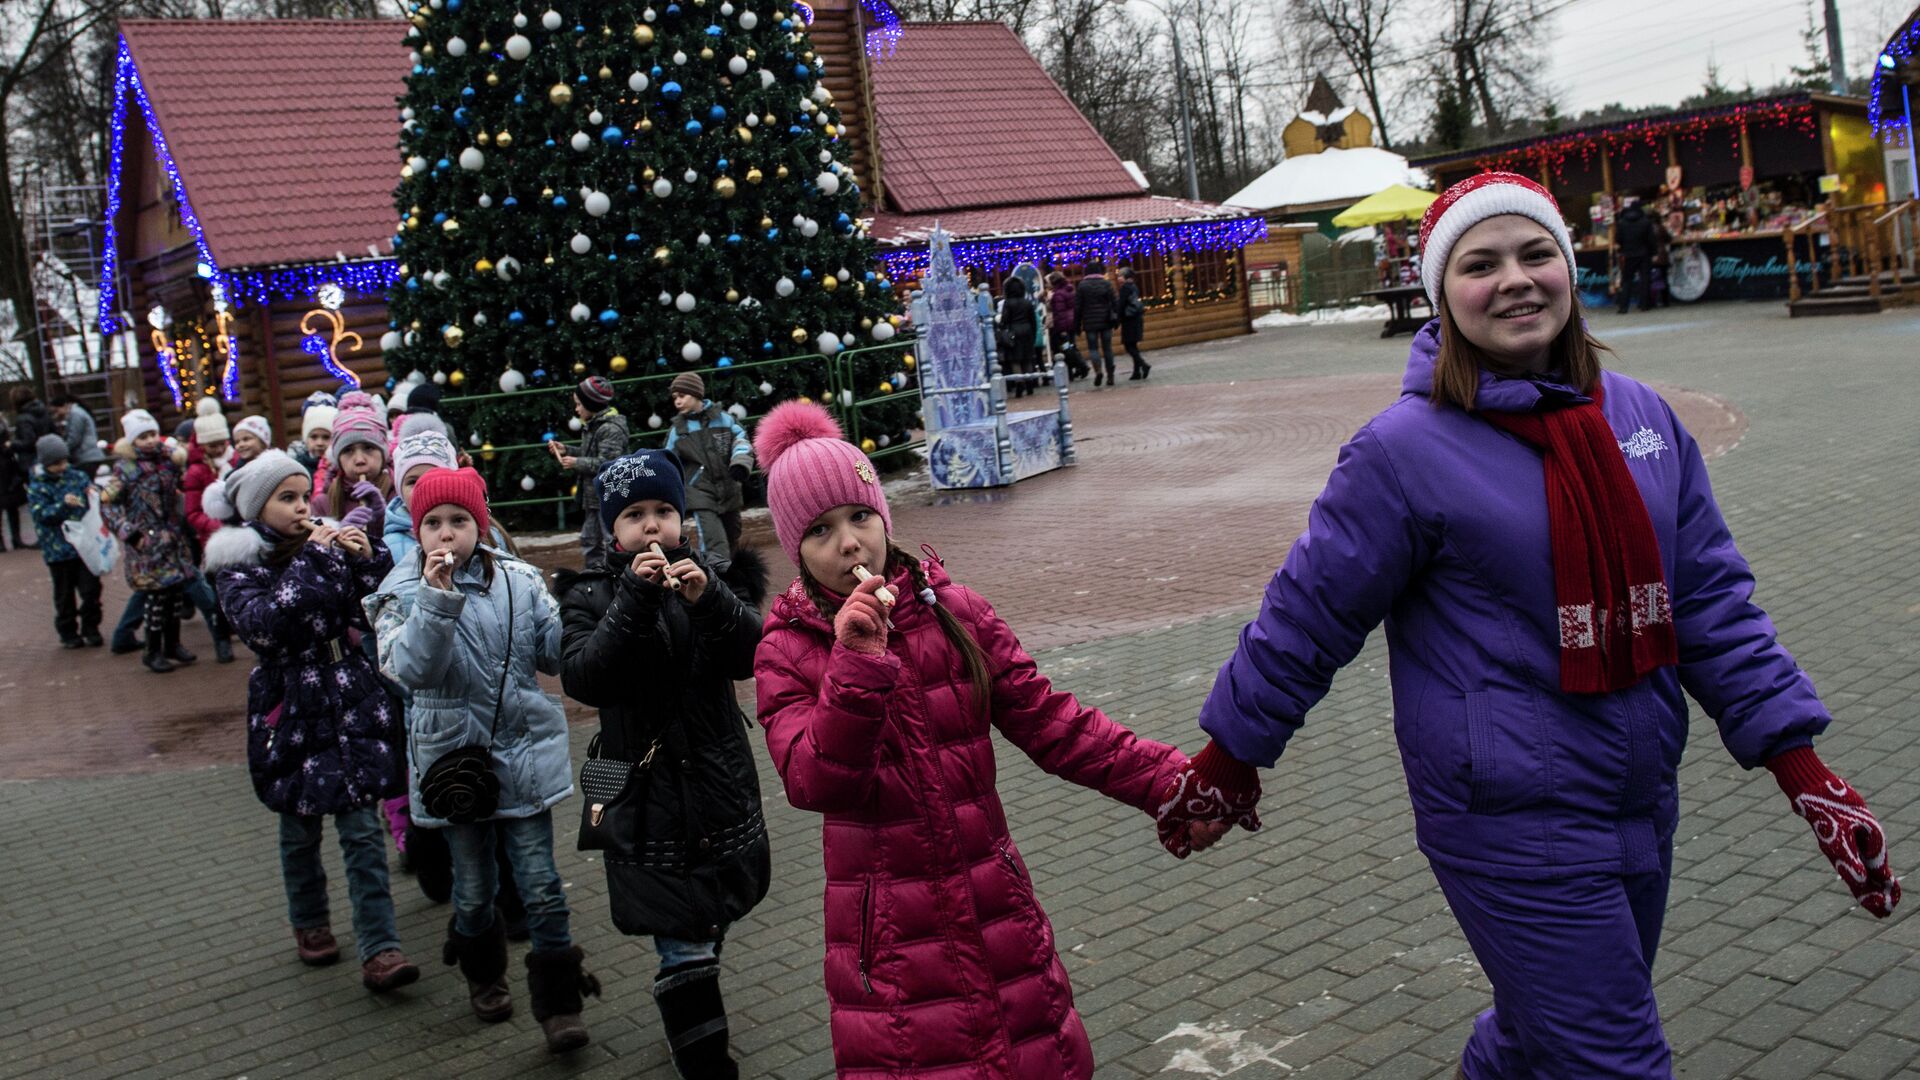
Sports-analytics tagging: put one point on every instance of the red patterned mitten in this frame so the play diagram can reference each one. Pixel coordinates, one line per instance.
(1848, 834)
(1213, 787)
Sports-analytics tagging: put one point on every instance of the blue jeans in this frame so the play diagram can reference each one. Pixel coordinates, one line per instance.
(675, 953)
(199, 590)
(476, 878)
(363, 846)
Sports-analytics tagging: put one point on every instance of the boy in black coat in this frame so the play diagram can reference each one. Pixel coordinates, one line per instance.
(655, 644)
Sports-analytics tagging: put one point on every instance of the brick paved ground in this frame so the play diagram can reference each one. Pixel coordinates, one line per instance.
(144, 930)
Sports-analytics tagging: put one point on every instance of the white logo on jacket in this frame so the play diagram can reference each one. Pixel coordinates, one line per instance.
(1644, 443)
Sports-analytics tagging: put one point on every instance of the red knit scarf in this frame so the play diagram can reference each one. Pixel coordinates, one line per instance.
(1616, 618)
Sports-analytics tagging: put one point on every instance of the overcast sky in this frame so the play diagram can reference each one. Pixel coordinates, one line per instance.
(1646, 52)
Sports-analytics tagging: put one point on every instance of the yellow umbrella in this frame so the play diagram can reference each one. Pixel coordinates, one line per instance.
(1397, 203)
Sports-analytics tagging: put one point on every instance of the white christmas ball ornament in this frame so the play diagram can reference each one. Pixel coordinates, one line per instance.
(406, 113)
(518, 47)
(678, 57)
(649, 15)
(595, 117)
(526, 483)
(456, 46)
(690, 176)
(474, 439)
(417, 163)
(726, 9)
(665, 298)
(753, 120)
(783, 287)
(809, 228)
(684, 301)
(551, 20)
(828, 183)
(580, 313)
(441, 279)
(820, 119)
(703, 239)
(739, 411)
(637, 81)
(598, 204)
(884, 440)
(828, 342)
(799, 220)
(389, 341)
(654, 421)
(748, 20)
(737, 66)
(471, 159)
(662, 187)
(766, 77)
(826, 157)
(821, 94)
(507, 267)
(581, 142)
(440, 378)
(882, 330)
(511, 380)
(580, 244)
(690, 351)
(485, 201)
(520, 21)
(765, 388)
(479, 318)
(574, 424)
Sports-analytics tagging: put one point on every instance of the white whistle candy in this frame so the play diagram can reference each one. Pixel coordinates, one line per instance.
(672, 582)
(882, 594)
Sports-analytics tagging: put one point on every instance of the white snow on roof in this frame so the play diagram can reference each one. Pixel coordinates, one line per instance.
(1133, 170)
(1315, 118)
(1340, 114)
(1331, 175)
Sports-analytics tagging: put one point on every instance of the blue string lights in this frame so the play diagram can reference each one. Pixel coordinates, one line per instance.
(1891, 116)
(1075, 249)
(127, 84)
(883, 27)
(366, 277)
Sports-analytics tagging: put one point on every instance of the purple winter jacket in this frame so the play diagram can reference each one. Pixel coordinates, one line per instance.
(1436, 521)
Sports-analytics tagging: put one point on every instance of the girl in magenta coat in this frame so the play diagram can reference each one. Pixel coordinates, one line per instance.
(939, 961)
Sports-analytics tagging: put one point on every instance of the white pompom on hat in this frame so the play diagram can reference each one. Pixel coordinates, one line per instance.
(1474, 200)
(209, 425)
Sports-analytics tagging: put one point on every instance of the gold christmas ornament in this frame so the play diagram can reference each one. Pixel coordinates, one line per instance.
(483, 139)
(493, 79)
(859, 288)
(799, 335)
(766, 222)
(413, 223)
(908, 361)
(560, 94)
(706, 54)
(546, 193)
(733, 296)
(829, 283)
(866, 324)
(725, 187)
(579, 368)
(886, 388)
(548, 261)
(647, 174)
(646, 124)
(606, 31)
(752, 55)
(754, 176)
(451, 225)
(743, 133)
(482, 266)
(807, 56)
(830, 131)
(617, 365)
(456, 377)
(767, 119)
(486, 451)
(406, 172)
(485, 46)
(642, 34)
(868, 446)
(414, 326)
(781, 172)
(504, 139)
(426, 50)
(404, 271)
(419, 19)
(661, 255)
(605, 72)
(453, 336)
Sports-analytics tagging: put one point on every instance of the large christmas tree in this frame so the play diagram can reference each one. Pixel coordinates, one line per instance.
(624, 188)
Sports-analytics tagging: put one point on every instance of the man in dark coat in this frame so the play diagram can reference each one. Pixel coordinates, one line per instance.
(1093, 314)
(1633, 238)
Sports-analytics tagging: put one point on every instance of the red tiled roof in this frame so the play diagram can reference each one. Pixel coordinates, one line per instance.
(968, 118)
(1028, 219)
(284, 132)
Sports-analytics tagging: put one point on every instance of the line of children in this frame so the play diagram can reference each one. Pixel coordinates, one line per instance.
(322, 730)
(660, 665)
(467, 631)
(56, 495)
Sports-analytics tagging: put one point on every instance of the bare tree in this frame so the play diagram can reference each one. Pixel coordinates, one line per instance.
(1496, 48)
(1356, 31)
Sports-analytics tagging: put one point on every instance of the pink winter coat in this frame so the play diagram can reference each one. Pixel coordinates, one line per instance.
(940, 964)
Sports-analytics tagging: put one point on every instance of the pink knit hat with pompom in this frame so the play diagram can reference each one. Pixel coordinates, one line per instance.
(811, 469)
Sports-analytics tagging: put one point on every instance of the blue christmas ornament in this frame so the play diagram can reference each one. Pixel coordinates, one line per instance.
(806, 274)
(539, 373)
(773, 235)
(442, 165)
(673, 9)
(872, 277)
(659, 361)
(792, 129)
(551, 324)
(633, 189)
(579, 28)
(655, 72)
(725, 361)
(439, 217)
(714, 31)
(551, 144)
(519, 99)
(786, 24)
(693, 127)
(721, 165)
(632, 238)
(802, 72)
(413, 284)
(462, 117)
(733, 239)
(582, 80)
(611, 257)
(559, 202)
(609, 317)
(398, 240)
(466, 93)
(418, 70)
(547, 436)
(516, 318)
(766, 347)
(509, 202)
(717, 114)
(389, 382)
(610, 135)
(670, 90)
(453, 5)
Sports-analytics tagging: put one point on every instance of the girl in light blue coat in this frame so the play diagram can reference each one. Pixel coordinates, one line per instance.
(465, 630)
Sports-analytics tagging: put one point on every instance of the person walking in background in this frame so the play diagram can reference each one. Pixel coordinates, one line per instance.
(13, 486)
(30, 421)
(143, 505)
(322, 731)
(603, 438)
(59, 495)
(1060, 325)
(83, 436)
(1029, 276)
(1093, 314)
(1633, 242)
(1133, 323)
(1017, 322)
(718, 458)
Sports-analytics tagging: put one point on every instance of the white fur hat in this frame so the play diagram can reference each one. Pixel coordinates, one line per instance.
(138, 422)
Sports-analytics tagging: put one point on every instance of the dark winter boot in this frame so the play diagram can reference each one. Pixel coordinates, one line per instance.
(222, 638)
(175, 651)
(432, 862)
(483, 960)
(556, 982)
(155, 644)
(696, 1021)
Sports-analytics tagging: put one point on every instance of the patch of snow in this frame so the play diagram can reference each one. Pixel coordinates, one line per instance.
(1219, 1051)
(1330, 176)
(1323, 316)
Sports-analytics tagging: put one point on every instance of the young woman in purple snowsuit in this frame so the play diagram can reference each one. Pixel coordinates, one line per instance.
(1541, 540)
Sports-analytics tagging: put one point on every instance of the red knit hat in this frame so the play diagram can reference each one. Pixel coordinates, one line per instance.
(463, 488)
(1472, 201)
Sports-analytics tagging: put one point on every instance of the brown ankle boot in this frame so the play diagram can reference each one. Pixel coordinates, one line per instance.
(556, 983)
(483, 960)
(315, 944)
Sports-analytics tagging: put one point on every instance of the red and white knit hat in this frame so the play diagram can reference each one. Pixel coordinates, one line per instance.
(1474, 200)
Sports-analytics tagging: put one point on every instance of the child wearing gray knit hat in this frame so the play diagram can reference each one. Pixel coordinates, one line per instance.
(51, 450)
(249, 488)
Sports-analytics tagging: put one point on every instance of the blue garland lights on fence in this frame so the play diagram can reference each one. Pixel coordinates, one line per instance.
(1898, 51)
(127, 83)
(1074, 249)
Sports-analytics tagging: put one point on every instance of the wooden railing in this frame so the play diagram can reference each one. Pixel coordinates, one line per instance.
(1868, 241)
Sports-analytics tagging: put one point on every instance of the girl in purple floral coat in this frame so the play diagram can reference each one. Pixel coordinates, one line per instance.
(322, 730)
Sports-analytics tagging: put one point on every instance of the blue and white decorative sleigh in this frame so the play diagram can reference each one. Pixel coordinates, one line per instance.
(972, 440)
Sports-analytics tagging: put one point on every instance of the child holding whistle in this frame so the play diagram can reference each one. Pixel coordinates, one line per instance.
(879, 682)
(655, 642)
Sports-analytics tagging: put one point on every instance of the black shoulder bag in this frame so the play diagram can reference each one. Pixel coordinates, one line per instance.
(461, 786)
(615, 800)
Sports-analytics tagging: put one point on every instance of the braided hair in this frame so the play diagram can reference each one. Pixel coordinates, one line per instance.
(958, 635)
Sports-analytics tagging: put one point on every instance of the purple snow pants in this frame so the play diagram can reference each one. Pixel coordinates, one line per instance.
(1571, 962)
